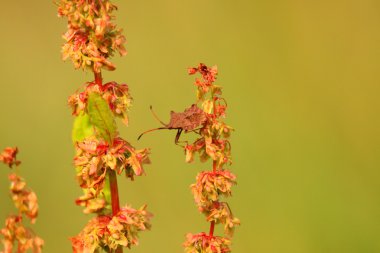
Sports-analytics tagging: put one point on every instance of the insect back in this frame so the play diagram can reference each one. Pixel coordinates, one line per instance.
(191, 119)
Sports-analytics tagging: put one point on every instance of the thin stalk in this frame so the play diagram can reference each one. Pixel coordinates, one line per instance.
(98, 78)
(212, 227)
(114, 199)
(114, 192)
(212, 224)
(214, 165)
(111, 176)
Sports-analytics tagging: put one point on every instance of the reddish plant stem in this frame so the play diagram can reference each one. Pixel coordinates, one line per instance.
(98, 78)
(114, 199)
(212, 224)
(114, 192)
(212, 227)
(112, 176)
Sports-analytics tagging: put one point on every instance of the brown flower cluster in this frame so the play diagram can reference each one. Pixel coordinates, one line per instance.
(91, 39)
(8, 157)
(116, 95)
(213, 144)
(15, 236)
(206, 82)
(92, 36)
(210, 185)
(108, 233)
(203, 243)
(95, 158)
(208, 146)
(214, 133)
(220, 212)
(15, 233)
(24, 199)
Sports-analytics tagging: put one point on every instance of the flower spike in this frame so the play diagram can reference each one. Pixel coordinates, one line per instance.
(205, 120)
(15, 234)
(91, 40)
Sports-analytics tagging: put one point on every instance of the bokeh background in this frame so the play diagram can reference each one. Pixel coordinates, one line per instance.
(302, 82)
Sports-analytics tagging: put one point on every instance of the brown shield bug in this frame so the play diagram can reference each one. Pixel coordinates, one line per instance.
(189, 120)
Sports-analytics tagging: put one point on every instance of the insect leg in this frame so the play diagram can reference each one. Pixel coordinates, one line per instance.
(178, 135)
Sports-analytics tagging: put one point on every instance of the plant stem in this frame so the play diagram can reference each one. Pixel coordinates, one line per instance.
(114, 199)
(212, 225)
(111, 176)
(98, 78)
(114, 192)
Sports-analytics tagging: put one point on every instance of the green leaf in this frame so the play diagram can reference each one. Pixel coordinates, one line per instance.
(101, 117)
(82, 128)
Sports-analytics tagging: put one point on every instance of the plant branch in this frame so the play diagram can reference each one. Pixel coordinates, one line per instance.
(212, 225)
(114, 199)
(114, 192)
(111, 175)
(98, 78)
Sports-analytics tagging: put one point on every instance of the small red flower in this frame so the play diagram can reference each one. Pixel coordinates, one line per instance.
(14, 233)
(105, 231)
(8, 156)
(199, 243)
(92, 36)
(116, 95)
(213, 144)
(94, 158)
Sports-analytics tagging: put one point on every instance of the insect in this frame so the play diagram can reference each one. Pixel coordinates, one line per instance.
(189, 120)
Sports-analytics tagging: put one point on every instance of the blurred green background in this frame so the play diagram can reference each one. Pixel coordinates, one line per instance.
(302, 82)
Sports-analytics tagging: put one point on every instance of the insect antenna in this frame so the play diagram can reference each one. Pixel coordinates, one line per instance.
(151, 130)
(155, 116)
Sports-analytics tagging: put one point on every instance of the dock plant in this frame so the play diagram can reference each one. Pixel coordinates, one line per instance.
(204, 119)
(211, 185)
(15, 235)
(91, 39)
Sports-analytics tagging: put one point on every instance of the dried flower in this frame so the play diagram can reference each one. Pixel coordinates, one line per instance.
(221, 213)
(92, 36)
(106, 232)
(208, 78)
(210, 185)
(212, 143)
(95, 157)
(91, 202)
(217, 149)
(203, 243)
(8, 156)
(15, 232)
(25, 201)
(116, 95)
